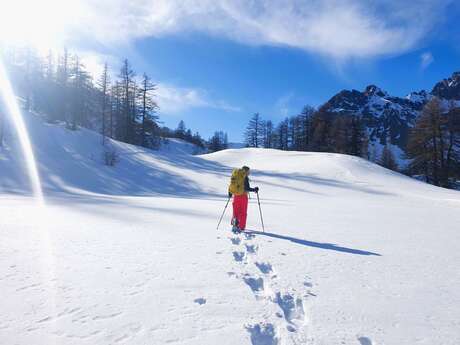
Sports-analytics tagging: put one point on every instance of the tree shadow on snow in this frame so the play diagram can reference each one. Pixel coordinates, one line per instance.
(316, 180)
(327, 246)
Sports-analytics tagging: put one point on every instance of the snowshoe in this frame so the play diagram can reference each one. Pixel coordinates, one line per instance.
(235, 228)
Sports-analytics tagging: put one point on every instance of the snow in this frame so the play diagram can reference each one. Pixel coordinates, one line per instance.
(419, 97)
(352, 254)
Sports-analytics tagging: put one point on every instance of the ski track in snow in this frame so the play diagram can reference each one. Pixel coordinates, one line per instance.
(285, 321)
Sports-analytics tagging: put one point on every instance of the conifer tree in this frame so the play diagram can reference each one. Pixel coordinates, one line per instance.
(180, 130)
(104, 85)
(218, 142)
(426, 142)
(148, 108)
(254, 132)
(321, 137)
(387, 160)
(268, 134)
(127, 95)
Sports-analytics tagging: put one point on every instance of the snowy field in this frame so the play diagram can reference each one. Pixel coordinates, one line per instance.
(352, 253)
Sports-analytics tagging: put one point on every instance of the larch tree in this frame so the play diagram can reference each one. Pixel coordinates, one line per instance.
(126, 84)
(254, 132)
(148, 107)
(104, 86)
(426, 143)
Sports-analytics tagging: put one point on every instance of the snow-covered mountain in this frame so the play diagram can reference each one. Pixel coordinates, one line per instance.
(129, 254)
(390, 117)
(448, 88)
(73, 161)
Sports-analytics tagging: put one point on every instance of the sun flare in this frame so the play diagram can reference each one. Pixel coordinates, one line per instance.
(42, 24)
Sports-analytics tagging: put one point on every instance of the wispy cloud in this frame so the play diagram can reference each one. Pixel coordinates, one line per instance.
(94, 62)
(283, 105)
(174, 100)
(426, 59)
(336, 28)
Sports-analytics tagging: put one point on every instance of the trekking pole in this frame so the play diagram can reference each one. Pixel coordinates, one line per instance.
(260, 211)
(222, 216)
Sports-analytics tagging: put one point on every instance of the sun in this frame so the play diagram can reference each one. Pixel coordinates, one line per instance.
(41, 24)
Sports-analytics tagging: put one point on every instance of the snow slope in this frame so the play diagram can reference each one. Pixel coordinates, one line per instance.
(352, 253)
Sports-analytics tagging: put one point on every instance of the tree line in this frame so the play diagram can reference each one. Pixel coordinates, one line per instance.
(121, 107)
(433, 148)
(434, 144)
(311, 130)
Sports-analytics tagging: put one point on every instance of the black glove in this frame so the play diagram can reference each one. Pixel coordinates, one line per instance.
(256, 189)
(229, 194)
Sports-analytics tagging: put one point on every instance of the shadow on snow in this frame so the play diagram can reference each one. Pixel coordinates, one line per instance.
(327, 246)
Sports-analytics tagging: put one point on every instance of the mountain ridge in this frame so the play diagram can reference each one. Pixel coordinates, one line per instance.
(388, 118)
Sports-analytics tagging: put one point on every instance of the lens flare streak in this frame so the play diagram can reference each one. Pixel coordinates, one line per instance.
(14, 113)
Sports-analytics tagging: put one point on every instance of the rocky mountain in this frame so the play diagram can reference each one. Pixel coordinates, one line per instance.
(389, 118)
(448, 88)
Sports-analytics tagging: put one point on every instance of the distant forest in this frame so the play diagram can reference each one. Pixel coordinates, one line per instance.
(433, 150)
(122, 107)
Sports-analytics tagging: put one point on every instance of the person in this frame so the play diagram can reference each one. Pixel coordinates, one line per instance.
(240, 203)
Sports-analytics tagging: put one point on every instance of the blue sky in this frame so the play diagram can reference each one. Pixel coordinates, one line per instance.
(216, 62)
(278, 81)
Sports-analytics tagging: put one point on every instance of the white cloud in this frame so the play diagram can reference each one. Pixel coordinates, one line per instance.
(94, 62)
(337, 28)
(426, 59)
(174, 100)
(171, 99)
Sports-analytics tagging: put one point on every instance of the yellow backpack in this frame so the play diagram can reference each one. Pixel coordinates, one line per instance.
(236, 186)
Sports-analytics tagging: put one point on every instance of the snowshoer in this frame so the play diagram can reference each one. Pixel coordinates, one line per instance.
(239, 188)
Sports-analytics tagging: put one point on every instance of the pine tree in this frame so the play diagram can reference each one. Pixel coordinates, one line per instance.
(118, 115)
(340, 135)
(387, 160)
(80, 102)
(426, 143)
(197, 140)
(104, 85)
(218, 142)
(126, 108)
(294, 133)
(254, 132)
(282, 132)
(61, 88)
(321, 131)
(148, 108)
(358, 139)
(268, 135)
(305, 123)
(451, 126)
(180, 130)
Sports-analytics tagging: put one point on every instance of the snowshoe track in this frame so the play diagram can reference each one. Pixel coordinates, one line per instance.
(286, 321)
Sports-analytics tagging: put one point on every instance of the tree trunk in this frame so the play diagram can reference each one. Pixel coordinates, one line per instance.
(144, 110)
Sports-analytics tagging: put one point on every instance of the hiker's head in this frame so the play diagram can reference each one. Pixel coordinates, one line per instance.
(246, 168)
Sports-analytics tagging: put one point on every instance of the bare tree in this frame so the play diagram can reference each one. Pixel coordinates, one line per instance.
(148, 106)
(254, 132)
(127, 80)
(104, 84)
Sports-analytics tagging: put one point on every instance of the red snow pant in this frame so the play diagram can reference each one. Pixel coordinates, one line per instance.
(240, 209)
